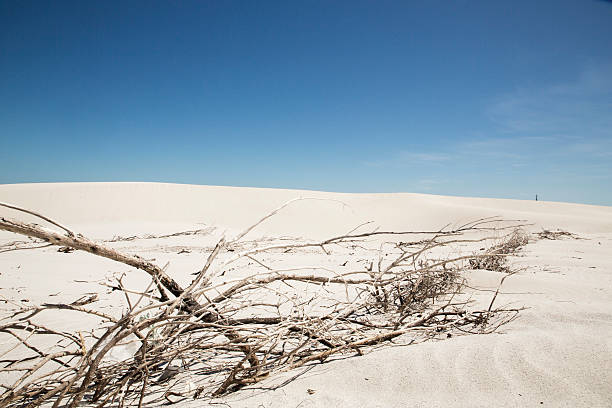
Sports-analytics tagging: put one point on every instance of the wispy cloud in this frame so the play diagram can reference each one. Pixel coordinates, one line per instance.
(578, 108)
(555, 140)
(405, 158)
(429, 184)
(423, 156)
(600, 148)
(594, 80)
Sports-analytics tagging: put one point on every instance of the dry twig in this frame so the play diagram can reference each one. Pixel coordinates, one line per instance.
(223, 332)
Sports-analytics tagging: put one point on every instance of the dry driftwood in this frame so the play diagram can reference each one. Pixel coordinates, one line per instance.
(222, 332)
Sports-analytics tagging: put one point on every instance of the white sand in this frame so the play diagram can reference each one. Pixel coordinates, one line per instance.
(558, 353)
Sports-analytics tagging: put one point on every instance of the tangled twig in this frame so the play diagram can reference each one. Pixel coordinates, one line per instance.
(223, 332)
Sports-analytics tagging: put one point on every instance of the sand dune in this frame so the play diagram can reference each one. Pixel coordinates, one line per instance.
(91, 204)
(558, 353)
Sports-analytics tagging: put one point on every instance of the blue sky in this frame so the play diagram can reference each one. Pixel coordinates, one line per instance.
(473, 98)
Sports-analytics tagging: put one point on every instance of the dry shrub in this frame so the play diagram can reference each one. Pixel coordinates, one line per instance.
(554, 235)
(495, 258)
(415, 293)
(227, 330)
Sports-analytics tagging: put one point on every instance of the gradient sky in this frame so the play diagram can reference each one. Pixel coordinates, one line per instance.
(474, 98)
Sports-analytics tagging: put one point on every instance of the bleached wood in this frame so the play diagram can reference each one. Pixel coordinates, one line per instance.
(82, 243)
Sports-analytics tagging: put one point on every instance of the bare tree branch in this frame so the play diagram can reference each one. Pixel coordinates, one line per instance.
(232, 328)
(14, 207)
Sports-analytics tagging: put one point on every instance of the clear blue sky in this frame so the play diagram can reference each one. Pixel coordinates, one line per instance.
(475, 98)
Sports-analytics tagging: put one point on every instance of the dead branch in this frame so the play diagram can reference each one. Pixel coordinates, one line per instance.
(50, 221)
(224, 332)
(79, 242)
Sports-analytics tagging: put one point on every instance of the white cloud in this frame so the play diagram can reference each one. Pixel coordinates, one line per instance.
(423, 156)
(404, 158)
(594, 80)
(579, 108)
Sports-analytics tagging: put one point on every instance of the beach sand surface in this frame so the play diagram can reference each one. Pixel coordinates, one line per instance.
(557, 353)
